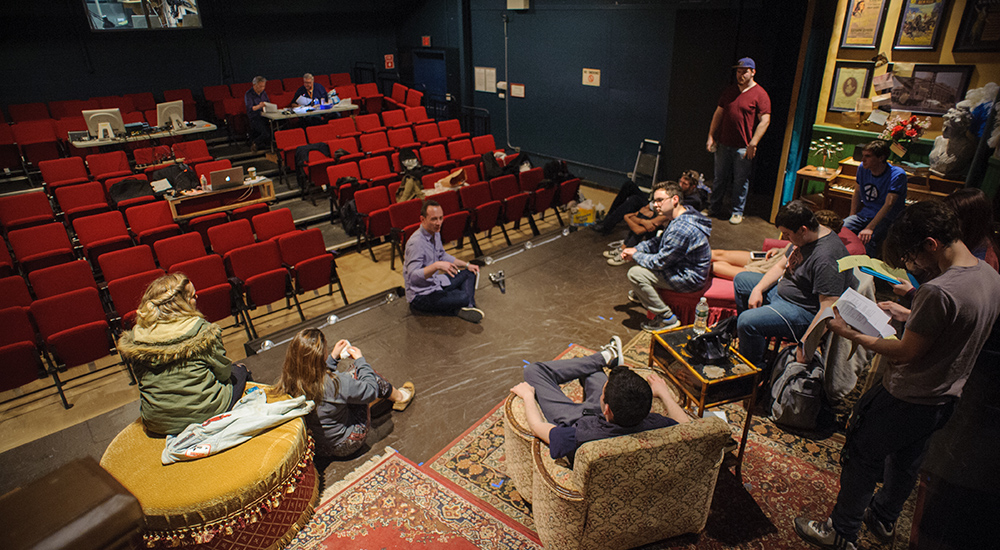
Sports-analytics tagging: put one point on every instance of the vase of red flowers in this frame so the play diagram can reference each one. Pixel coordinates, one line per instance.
(901, 132)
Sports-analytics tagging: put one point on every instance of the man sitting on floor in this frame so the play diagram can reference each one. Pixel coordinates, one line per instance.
(434, 282)
(613, 405)
(631, 198)
(679, 260)
(786, 300)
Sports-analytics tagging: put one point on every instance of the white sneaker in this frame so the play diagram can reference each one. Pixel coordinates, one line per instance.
(616, 253)
(736, 219)
(471, 314)
(616, 261)
(614, 346)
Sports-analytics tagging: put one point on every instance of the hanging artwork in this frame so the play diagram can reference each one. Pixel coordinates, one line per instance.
(863, 23)
(851, 81)
(920, 24)
(980, 27)
(931, 89)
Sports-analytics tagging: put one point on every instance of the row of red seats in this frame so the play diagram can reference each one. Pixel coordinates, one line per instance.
(502, 200)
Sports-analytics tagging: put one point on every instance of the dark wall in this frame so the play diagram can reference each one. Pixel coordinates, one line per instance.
(51, 54)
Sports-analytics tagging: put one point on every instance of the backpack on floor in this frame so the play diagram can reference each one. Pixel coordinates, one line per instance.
(796, 390)
(350, 219)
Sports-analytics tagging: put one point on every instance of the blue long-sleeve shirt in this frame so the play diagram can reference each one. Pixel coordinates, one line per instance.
(423, 249)
(251, 99)
(681, 254)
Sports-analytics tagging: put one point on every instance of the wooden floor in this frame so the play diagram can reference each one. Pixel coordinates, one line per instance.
(558, 293)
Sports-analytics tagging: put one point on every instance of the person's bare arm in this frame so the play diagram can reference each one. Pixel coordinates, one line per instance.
(905, 350)
(766, 282)
(661, 392)
(758, 134)
(538, 426)
(866, 234)
(710, 145)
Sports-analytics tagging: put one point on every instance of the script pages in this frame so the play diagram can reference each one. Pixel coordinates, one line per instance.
(859, 312)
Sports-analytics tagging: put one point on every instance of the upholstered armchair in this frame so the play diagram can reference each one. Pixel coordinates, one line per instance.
(622, 492)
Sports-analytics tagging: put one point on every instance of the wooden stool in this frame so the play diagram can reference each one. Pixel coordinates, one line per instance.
(256, 495)
(718, 292)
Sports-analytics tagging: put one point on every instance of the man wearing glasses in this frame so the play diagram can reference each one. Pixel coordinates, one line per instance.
(678, 260)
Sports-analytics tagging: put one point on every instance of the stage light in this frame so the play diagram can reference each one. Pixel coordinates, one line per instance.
(266, 345)
(565, 232)
(528, 245)
(332, 319)
(390, 297)
(488, 260)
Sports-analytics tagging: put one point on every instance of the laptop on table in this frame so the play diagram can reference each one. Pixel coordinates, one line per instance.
(225, 179)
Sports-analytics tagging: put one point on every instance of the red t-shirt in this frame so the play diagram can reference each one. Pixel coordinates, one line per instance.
(740, 114)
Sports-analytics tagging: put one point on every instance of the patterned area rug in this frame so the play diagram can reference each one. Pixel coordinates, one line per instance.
(784, 475)
(395, 505)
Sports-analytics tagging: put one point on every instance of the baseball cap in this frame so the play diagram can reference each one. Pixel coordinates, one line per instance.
(745, 63)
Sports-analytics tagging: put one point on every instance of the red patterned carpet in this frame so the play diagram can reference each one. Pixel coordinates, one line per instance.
(395, 505)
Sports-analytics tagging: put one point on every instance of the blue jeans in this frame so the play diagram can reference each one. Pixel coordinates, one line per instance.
(775, 317)
(547, 377)
(873, 247)
(886, 436)
(732, 172)
(447, 301)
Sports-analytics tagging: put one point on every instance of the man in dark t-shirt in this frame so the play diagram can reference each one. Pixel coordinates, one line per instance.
(738, 124)
(786, 300)
(613, 405)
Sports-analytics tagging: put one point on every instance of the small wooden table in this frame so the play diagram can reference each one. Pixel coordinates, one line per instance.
(185, 207)
(706, 386)
(811, 173)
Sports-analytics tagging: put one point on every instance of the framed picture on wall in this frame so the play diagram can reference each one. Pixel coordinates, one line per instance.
(851, 81)
(863, 23)
(980, 27)
(932, 89)
(920, 24)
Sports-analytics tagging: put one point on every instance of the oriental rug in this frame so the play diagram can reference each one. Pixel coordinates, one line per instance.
(395, 505)
(784, 475)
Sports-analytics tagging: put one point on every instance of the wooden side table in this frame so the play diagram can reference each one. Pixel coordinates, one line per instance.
(811, 173)
(706, 386)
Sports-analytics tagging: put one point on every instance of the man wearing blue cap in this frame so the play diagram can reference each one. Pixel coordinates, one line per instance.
(739, 123)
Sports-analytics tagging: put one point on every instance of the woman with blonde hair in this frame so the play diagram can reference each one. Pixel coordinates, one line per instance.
(178, 357)
(341, 419)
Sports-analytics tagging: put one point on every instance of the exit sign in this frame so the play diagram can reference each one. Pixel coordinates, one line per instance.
(425, 41)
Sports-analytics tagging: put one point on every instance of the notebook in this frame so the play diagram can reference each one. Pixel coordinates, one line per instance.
(224, 179)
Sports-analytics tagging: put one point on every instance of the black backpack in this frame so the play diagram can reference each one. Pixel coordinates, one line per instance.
(350, 219)
(181, 176)
(796, 390)
(130, 189)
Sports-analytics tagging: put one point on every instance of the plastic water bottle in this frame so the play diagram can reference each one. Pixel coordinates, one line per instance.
(701, 316)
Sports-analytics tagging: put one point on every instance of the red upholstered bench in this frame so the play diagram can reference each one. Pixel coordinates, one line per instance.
(719, 294)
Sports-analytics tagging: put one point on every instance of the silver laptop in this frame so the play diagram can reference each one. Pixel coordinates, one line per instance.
(224, 179)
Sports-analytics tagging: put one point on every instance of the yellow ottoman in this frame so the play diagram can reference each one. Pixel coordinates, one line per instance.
(255, 495)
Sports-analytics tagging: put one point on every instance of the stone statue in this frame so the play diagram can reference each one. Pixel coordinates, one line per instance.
(954, 148)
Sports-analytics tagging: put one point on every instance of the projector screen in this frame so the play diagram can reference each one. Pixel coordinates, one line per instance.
(118, 15)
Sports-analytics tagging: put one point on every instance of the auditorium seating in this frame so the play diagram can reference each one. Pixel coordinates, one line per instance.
(126, 262)
(40, 246)
(206, 168)
(402, 216)
(342, 128)
(417, 115)
(312, 266)
(484, 210)
(64, 171)
(62, 278)
(348, 144)
(451, 129)
(113, 164)
(456, 220)
(193, 152)
(400, 138)
(37, 140)
(344, 192)
(216, 300)
(127, 203)
(101, 233)
(377, 171)
(414, 98)
(435, 157)
(373, 207)
(14, 293)
(271, 225)
(126, 295)
(398, 98)
(429, 134)
(286, 141)
(177, 249)
(84, 199)
(461, 151)
(366, 124)
(152, 221)
(73, 327)
(376, 143)
(229, 236)
(395, 119)
(260, 277)
(25, 210)
(19, 354)
(514, 201)
(28, 111)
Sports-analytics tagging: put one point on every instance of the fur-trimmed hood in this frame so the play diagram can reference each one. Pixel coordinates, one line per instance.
(166, 343)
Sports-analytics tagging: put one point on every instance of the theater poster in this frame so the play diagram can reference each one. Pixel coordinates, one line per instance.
(863, 24)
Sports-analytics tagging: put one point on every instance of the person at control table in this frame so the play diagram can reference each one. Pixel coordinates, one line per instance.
(260, 133)
(310, 90)
(879, 196)
(738, 124)
(435, 281)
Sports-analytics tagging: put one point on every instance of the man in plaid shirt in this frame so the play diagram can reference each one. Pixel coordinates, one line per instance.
(679, 259)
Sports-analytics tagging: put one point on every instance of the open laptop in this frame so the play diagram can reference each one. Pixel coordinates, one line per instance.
(224, 179)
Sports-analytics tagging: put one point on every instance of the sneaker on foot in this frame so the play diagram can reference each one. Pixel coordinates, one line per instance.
(884, 532)
(661, 322)
(471, 314)
(408, 392)
(633, 298)
(616, 261)
(614, 253)
(822, 534)
(615, 347)
(736, 219)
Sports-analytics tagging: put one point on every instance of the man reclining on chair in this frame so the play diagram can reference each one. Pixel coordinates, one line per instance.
(612, 406)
